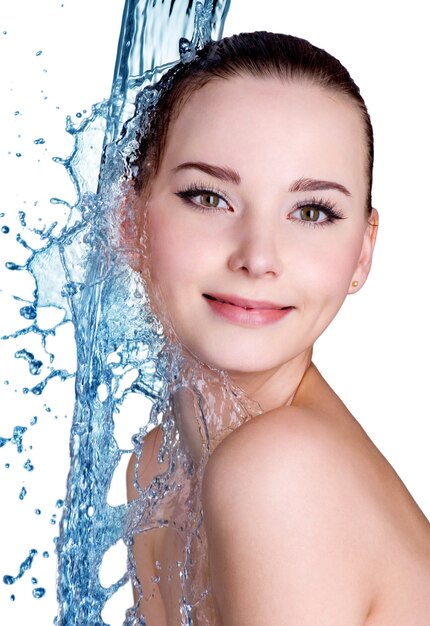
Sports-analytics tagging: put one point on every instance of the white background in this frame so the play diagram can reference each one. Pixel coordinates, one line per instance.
(374, 354)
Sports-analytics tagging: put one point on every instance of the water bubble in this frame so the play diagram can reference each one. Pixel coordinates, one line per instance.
(39, 592)
(18, 154)
(59, 504)
(37, 511)
(78, 114)
(5, 229)
(45, 555)
(7, 465)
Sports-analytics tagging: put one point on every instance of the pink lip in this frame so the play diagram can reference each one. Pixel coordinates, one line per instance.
(246, 312)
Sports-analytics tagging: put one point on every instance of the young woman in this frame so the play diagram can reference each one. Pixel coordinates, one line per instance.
(253, 193)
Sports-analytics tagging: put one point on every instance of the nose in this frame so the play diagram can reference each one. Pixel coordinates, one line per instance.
(255, 249)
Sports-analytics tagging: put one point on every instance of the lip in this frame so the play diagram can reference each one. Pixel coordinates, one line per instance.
(244, 311)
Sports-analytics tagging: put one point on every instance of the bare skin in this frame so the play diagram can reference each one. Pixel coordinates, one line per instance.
(306, 521)
(357, 540)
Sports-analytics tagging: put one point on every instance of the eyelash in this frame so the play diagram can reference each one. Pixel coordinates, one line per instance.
(196, 190)
(326, 206)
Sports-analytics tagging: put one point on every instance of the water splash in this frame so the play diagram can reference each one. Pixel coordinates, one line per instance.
(116, 358)
(122, 351)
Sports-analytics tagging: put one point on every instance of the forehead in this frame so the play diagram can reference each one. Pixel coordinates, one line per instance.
(270, 126)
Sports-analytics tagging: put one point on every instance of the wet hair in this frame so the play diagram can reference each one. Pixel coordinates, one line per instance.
(261, 55)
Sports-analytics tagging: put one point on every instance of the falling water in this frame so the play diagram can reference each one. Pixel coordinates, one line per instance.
(124, 359)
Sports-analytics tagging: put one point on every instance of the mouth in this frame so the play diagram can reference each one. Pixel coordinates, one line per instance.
(244, 303)
(245, 312)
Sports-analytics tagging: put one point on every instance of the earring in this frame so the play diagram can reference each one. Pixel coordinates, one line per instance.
(355, 283)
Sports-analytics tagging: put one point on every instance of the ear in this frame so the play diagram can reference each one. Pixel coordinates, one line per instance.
(131, 227)
(365, 259)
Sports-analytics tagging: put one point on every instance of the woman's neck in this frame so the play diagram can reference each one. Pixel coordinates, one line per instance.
(274, 388)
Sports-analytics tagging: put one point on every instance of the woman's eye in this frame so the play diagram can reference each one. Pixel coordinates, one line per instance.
(311, 214)
(211, 201)
(203, 199)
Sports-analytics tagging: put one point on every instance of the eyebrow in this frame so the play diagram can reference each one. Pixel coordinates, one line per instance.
(311, 184)
(229, 175)
(223, 173)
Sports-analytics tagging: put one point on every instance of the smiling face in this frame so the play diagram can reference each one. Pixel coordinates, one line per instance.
(256, 219)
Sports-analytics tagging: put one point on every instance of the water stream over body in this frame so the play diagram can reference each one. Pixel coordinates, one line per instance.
(124, 356)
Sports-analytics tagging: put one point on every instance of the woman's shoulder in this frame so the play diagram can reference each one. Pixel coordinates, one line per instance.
(147, 465)
(343, 507)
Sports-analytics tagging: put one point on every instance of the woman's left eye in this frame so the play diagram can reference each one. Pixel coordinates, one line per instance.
(203, 199)
(315, 213)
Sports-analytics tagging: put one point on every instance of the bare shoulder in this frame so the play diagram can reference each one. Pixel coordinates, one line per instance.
(320, 506)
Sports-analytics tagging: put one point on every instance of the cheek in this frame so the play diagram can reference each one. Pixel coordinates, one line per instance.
(327, 267)
(176, 253)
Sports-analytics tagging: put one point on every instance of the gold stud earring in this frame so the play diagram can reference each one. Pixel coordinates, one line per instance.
(355, 283)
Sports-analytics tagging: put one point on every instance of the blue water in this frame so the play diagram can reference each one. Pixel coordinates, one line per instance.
(79, 270)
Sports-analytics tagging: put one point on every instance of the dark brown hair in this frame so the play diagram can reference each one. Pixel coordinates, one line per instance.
(259, 54)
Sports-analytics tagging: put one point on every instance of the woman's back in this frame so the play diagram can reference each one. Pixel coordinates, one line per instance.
(307, 524)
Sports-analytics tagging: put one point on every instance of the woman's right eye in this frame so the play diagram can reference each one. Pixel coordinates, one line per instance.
(203, 199)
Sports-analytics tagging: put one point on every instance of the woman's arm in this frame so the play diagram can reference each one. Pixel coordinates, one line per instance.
(290, 528)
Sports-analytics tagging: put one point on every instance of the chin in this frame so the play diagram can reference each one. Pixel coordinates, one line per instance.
(239, 361)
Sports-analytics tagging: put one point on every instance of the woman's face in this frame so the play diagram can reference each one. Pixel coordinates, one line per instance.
(256, 219)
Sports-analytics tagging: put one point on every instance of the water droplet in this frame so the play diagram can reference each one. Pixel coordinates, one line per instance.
(34, 581)
(29, 312)
(90, 511)
(78, 114)
(8, 580)
(12, 598)
(39, 592)
(23, 493)
(19, 154)
(12, 266)
(37, 511)
(5, 229)
(45, 555)
(17, 113)
(59, 504)
(7, 465)
(71, 289)
(38, 53)
(33, 420)
(39, 141)
(187, 50)
(28, 466)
